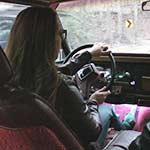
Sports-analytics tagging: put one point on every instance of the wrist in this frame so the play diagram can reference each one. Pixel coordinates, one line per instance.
(90, 51)
(92, 101)
(88, 55)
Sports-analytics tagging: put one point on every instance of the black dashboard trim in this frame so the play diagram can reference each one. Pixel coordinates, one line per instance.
(125, 58)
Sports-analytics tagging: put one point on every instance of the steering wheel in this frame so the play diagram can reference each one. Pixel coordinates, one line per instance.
(111, 57)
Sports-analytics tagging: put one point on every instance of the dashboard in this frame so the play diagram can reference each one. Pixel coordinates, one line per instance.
(132, 79)
(131, 83)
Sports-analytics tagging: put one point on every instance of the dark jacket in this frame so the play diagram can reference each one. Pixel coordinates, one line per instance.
(82, 116)
(142, 142)
(75, 63)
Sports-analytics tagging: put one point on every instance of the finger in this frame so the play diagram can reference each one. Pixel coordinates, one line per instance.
(107, 93)
(106, 51)
(102, 89)
(103, 94)
(103, 53)
(104, 48)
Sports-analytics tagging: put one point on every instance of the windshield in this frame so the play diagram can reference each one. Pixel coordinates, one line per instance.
(120, 23)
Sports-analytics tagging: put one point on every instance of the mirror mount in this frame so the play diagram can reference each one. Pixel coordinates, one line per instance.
(146, 5)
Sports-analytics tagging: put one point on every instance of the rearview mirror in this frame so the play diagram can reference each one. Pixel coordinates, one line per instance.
(146, 5)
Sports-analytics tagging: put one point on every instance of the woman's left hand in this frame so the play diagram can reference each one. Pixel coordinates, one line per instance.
(99, 49)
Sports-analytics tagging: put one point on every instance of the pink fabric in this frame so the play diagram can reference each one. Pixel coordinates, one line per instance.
(122, 110)
(142, 115)
(36, 138)
(142, 118)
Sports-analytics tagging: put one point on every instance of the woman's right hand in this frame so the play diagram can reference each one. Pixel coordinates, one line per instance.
(100, 95)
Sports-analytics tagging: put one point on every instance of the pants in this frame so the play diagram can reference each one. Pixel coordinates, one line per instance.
(109, 119)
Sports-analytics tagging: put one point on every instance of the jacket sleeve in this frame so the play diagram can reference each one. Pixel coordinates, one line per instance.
(142, 142)
(82, 116)
(75, 63)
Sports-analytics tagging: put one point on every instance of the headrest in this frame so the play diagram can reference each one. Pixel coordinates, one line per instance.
(5, 68)
(22, 109)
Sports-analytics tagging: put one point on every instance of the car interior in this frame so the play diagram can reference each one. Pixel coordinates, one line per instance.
(124, 25)
(22, 126)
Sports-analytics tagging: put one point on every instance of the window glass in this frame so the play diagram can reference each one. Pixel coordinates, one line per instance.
(8, 13)
(120, 23)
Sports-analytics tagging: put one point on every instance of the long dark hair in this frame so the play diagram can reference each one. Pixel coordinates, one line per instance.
(32, 50)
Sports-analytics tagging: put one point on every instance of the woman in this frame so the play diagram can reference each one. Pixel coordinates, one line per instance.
(33, 46)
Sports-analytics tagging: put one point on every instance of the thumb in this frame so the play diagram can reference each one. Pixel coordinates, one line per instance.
(102, 89)
(106, 52)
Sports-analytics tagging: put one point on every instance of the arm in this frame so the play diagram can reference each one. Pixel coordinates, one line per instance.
(81, 116)
(83, 57)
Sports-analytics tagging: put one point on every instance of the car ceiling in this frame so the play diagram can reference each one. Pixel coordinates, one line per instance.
(35, 2)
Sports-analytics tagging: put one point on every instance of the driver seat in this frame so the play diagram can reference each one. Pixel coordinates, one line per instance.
(27, 122)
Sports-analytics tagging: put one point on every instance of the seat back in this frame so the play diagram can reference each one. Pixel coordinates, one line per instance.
(33, 138)
(26, 120)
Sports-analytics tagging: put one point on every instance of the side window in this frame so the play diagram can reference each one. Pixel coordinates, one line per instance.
(8, 13)
(5, 26)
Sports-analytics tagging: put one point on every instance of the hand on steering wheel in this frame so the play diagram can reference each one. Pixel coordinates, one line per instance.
(97, 50)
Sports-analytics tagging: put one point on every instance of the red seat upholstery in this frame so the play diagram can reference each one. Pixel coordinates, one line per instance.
(35, 138)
